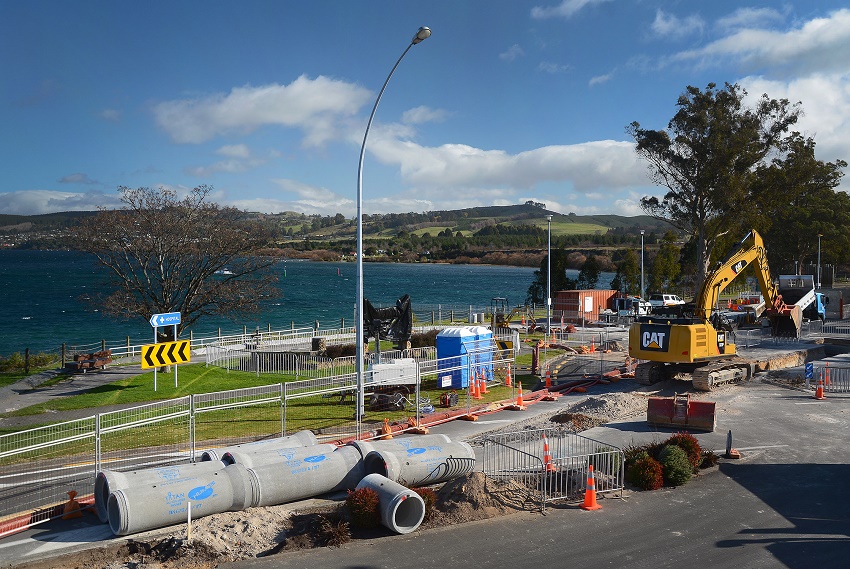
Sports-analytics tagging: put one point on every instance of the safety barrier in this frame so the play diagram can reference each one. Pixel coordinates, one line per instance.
(559, 474)
(834, 378)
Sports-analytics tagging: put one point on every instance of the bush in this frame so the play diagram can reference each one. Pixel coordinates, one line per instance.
(690, 445)
(333, 532)
(708, 459)
(424, 340)
(429, 497)
(675, 465)
(645, 473)
(363, 508)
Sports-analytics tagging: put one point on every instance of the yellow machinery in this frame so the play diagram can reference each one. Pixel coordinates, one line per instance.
(501, 315)
(701, 345)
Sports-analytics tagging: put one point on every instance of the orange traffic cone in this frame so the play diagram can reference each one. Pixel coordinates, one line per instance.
(523, 321)
(819, 391)
(553, 340)
(483, 384)
(473, 388)
(548, 465)
(826, 375)
(72, 507)
(386, 431)
(548, 378)
(518, 406)
(508, 377)
(590, 492)
(592, 346)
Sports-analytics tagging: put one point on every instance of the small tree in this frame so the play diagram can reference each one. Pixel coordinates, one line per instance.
(167, 255)
(559, 281)
(588, 277)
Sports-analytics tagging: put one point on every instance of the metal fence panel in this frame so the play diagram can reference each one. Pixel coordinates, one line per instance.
(834, 378)
(519, 456)
(38, 467)
(237, 416)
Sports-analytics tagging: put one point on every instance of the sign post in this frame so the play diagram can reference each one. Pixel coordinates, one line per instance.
(149, 359)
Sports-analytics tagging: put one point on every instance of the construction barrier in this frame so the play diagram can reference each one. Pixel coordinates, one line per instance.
(520, 457)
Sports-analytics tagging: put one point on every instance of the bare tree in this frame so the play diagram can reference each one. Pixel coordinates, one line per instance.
(190, 256)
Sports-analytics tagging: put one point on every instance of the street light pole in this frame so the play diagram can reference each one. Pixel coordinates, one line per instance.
(548, 281)
(422, 34)
(641, 265)
(819, 236)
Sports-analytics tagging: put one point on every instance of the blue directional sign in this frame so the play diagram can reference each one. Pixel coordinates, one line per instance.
(166, 319)
(810, 370)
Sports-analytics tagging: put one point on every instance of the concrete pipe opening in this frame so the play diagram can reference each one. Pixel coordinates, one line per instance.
(402, 510)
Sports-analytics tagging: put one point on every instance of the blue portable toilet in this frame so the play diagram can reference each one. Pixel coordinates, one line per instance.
(453, 345)
(483, 350)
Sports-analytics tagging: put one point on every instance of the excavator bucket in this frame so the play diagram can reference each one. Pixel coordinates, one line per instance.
(678, 411)
(787, 324)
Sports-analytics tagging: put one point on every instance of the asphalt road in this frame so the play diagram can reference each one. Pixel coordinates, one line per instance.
(784, 504)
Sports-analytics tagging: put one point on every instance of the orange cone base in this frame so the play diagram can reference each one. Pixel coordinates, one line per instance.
(468, 417)
(733, 454)
(590, 501)
(819, 394)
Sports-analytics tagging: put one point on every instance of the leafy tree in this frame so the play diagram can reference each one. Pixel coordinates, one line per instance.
(627, 278)
(588, 276)
(163, 255)
(665, 266)
(707, 157)
(809, 205)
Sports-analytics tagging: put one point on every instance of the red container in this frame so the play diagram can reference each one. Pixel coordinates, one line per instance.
(581, 305)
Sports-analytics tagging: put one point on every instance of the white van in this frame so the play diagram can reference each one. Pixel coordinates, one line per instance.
(657, 301)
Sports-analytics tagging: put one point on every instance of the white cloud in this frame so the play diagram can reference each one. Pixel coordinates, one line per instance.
(234, 151)
(750, 17)
(423, 114)
(552, 68)
(599, 79)
(673, 27)
(313, 105)
(826, 105)
(566, 9)
(585, 167)
(512, 53)
(34, 202)
(820, 44)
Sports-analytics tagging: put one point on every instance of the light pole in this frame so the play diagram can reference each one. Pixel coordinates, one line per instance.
(641, 265)
(819, 236)
(422, 34)
(548, 281)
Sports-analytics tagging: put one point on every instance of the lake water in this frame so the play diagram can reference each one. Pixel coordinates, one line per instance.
(42, 289)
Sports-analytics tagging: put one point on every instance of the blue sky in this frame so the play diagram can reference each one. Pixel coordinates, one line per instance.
(267, 101)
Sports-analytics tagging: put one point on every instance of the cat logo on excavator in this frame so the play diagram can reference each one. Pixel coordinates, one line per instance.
(655, 337)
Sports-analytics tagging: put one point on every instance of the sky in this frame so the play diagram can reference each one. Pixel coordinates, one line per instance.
(267, 102)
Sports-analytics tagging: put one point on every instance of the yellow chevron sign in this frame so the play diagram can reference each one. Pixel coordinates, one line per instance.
(165, 353)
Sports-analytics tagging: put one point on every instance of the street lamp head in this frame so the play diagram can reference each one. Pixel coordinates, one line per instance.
(641, 231)
(548, 218)
(423, 34)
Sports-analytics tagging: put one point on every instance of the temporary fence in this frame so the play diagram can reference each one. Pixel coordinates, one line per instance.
(39, 466)
(552, 464)
(833, 378)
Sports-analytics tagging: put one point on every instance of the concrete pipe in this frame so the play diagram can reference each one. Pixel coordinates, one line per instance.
(274, 456)
(151, 506)
(108, 481)
(422, 465)
(307, 474)
(299, 439)
(402, 509)
(400, 444)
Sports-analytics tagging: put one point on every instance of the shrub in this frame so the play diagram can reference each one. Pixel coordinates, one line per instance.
(363, 508)
(429, 497)
(675, 465)
(333, 531)
(709, 459)
(645, 473)
(690, 445)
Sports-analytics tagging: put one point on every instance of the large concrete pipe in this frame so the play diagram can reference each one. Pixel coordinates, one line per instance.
(400, 444)
(108, 481)
(307, 474)
(422, 465)
(150, 506)
(402, 509)
(274, 456)
(299, 439)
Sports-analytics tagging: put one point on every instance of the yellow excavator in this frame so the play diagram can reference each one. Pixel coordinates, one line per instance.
(701, 345)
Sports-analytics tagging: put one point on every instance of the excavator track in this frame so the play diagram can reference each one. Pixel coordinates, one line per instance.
(705, 378)
(647, 373)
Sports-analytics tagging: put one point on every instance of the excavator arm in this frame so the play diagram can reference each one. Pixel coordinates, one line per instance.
(751, 251)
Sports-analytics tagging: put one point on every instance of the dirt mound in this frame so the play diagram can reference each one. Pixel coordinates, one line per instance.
(476, 497)
(610, 406)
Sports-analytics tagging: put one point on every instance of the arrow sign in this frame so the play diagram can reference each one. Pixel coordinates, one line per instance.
(166, 353)
(165, 319)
